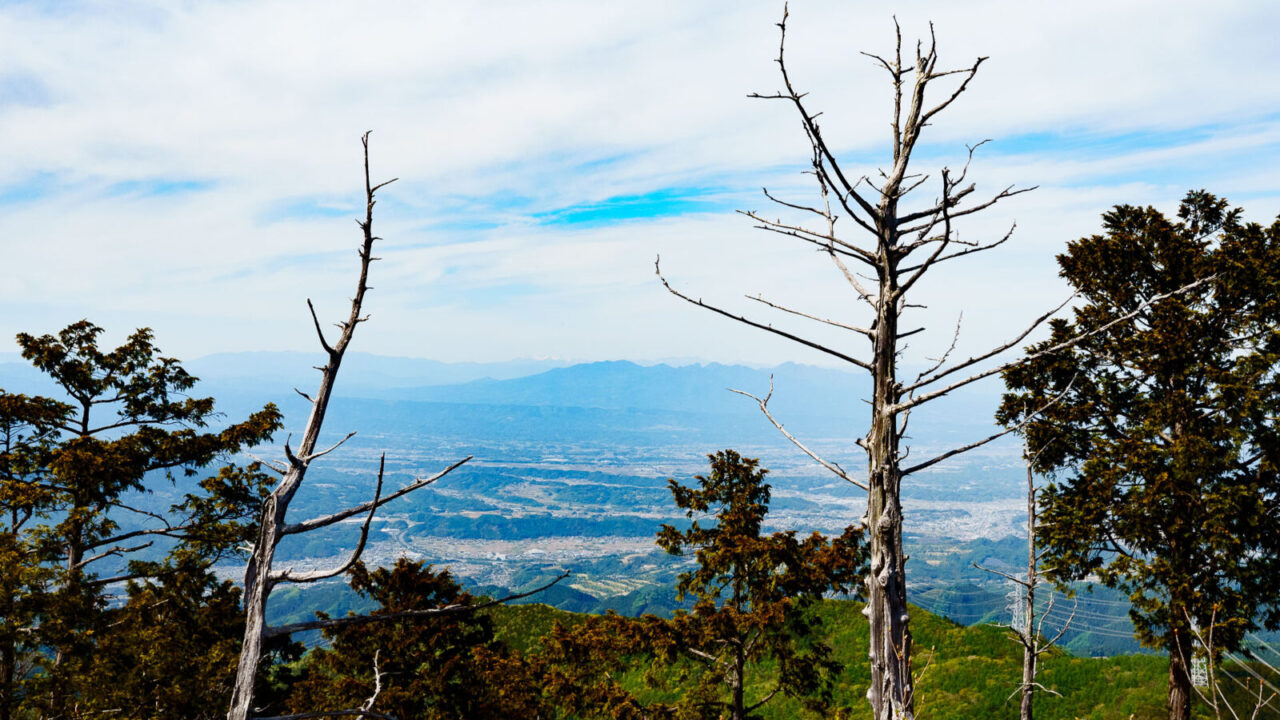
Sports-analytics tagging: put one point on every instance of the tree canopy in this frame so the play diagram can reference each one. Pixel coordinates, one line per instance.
(76, 473)
(1161, 432)
(429, 665)
(752, 597)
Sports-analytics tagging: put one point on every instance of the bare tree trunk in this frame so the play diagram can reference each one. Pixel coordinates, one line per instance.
(260, 577)
(1029, 650)
(891, 692)
(897, 246)
(1025, 710)
(257, 587)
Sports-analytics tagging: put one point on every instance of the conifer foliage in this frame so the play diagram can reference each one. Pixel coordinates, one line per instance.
(1164, 442)
(752, 596)
(429, 667)
(75, 476)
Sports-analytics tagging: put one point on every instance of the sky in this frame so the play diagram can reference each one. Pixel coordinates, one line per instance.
(194, 167)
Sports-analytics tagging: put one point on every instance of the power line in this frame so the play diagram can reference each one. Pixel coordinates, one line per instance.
(1252, 672)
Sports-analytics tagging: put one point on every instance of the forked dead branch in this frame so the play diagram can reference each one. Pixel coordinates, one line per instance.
(260, 575)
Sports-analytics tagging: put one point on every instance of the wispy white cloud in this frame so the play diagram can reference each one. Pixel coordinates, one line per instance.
(192, 166)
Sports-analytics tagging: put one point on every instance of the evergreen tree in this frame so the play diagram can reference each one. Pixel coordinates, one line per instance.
(27, 433)
(1163, 438)
(428, 666)
(75, 491)
(170, 651)
(752, 599)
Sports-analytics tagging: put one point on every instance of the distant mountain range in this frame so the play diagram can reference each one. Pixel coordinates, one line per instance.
(389, 390)
(623, 385)
(363, 374)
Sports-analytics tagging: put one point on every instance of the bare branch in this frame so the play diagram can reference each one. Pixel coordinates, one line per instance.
(833, 323)
(98, 582)
(756, 706)
(971, 72)
(793, 206)
(319, 332)
(306, 577)
(288, 453)
(955, 451)
(764, 408)
(863, 294)
(335, 446)
(377, 681)
(366, 708)
(269, 463)
(962, 212)
(1070, 342)
(810, 236)
(326, 520)
(971, 249)
(117, 550)
(934, 377)
(811, 126)
(173, 531)
(1005, 575)
(955, 337)
(1062, 630)
(761, 326)
(259, 577)
(1014, 428)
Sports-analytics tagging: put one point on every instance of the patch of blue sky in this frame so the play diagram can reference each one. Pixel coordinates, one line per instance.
(318, 261)
(309, 208)
(1090, 143)
(157, 187)
(34, 187)
(601, 163)
(462, 218)
(464, 225)
(667, 202)
(133, 13)
(23, 89)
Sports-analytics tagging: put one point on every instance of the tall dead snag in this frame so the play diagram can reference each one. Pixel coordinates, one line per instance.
(259, 576)
(898, 245)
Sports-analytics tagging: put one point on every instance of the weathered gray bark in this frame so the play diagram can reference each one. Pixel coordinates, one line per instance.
(899, 247)
(891, 692)
(1030, 651)
(260, 577)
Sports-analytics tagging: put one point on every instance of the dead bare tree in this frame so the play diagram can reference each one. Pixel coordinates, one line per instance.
(899, 246)
(260, 577)
(1027, 631)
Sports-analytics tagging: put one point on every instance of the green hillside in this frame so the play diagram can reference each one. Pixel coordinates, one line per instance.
(968, 672)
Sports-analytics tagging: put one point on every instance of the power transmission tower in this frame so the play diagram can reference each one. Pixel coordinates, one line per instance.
(1199, 666)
